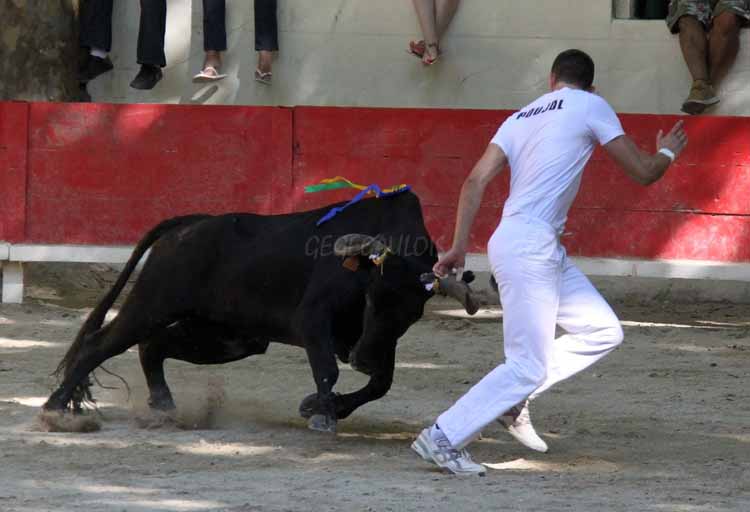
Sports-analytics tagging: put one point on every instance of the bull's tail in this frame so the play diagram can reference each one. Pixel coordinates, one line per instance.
(96, 318)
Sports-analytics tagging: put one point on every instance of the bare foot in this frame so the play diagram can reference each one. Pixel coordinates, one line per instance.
(213, 59)
(265, 61)
(431, 54)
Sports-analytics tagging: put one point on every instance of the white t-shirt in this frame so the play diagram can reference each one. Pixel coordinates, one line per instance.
(548, 143)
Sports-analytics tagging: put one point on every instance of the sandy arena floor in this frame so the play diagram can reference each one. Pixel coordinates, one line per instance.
(663, 424)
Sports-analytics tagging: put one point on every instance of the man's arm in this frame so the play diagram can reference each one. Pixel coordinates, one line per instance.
(489, 165)
(644, 167)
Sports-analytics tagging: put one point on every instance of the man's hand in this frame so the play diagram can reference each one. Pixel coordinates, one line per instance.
(643, 167)
(453, 259)
(675, 140)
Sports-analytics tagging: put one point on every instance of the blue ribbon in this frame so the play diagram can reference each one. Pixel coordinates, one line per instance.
(361, 195)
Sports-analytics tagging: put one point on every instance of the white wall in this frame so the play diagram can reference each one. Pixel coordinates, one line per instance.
(353, 52)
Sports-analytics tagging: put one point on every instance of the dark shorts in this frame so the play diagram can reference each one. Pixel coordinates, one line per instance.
(705, 11)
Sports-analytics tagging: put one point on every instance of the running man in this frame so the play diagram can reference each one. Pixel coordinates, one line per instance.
(547, 145)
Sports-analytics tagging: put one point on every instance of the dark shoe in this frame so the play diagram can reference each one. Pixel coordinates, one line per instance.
(94, 67)
(147, 77)
(83, 93)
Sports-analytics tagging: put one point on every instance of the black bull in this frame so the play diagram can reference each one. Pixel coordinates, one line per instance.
(216, 289)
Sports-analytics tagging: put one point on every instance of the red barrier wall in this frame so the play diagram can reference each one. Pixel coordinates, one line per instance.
(103, 174)
(13, 144)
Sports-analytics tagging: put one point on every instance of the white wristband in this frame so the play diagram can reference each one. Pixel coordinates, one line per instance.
(668, 153)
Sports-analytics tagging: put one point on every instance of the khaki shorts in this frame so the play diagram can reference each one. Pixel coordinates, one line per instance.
(705, 11)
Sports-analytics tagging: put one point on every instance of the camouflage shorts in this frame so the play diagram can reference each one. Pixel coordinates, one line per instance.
(705, 11)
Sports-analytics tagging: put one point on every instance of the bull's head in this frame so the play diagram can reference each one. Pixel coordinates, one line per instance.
(395, 297)
(352, 247)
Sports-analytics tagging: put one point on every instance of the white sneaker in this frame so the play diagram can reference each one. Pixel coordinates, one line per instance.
(441, 452)
(518, 422)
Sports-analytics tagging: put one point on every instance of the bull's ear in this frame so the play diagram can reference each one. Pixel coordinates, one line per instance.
(351, 263)
(356, 263)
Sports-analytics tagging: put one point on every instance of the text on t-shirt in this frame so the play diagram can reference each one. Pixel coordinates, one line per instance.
(554, 105)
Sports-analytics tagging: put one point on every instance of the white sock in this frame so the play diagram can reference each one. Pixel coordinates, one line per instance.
(98, 52)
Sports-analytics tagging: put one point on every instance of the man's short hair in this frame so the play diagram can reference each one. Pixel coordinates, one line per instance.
(574, 67)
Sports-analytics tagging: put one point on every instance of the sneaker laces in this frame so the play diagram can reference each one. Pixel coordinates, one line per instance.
(448, 452)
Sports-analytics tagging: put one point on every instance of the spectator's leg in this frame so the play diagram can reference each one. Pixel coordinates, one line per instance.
(445, 10)
(266, 34)
(96, 25)
(96, 36)
(426, 14)
(724, 43)
(694, 47)
(153, 27)
(214, 32)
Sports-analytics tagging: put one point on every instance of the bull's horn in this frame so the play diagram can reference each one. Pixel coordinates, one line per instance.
(355, 244)
(460, 291)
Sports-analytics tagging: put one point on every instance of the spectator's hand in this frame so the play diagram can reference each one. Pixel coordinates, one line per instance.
(453, 259)
(675, 140)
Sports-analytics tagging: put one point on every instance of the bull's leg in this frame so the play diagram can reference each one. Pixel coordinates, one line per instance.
(322, 360)
(152, 354)
(381, 378)
(195, 341)
(377, 387)
(111, 340)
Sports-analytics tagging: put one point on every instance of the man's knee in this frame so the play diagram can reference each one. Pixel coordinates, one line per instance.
(608, 334)
(529, 374)
(726, 24)
(614, 335)
(689, 24)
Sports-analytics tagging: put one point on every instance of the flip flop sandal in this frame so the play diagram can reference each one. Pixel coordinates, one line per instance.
(417, 48)
(263, 77)
(209, 74)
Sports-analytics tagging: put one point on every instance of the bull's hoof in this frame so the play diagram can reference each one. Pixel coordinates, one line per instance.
(162, 404)
(322, 423)
(311, 405)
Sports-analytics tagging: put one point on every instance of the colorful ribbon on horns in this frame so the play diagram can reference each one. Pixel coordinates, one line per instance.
(341, 182)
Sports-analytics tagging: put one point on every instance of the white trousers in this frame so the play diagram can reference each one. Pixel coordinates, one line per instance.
(539, 288)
